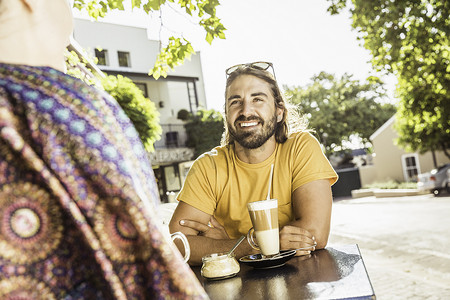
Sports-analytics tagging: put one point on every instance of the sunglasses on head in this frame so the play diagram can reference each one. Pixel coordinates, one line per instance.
(259, 65)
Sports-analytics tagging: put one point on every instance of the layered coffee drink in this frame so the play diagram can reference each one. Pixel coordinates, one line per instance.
(264, 216)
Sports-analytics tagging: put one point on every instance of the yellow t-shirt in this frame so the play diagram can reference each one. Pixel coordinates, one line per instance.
(220, 184)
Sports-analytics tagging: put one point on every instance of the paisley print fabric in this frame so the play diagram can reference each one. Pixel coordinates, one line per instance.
(78, 197)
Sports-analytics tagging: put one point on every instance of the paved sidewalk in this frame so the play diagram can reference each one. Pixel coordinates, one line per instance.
(404, 242)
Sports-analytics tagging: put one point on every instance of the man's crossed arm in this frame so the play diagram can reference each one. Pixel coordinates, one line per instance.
(310, 229)
(204, 233)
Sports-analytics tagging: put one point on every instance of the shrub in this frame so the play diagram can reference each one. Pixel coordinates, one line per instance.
(204, 130)
(391, 184)
(183, 114)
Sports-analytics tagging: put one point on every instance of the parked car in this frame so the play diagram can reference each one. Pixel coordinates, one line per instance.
(435, 181)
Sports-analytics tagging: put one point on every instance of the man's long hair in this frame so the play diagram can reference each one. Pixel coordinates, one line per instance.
(291, 121)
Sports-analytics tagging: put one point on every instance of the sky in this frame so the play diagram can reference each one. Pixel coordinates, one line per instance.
(299, 37)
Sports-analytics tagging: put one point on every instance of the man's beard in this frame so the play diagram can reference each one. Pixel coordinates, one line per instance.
(257, 138)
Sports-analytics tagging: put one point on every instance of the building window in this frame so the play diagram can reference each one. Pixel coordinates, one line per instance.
(102, 57)
(143, 88)
(411, 167)
(124, 58)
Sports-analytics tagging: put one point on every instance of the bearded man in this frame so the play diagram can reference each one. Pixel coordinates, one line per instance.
(212, 211)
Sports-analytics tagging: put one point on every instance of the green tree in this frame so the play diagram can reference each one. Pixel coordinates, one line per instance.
(341, 108)
(141, 111)
(204, 130)
(411, 40)
(177, 49)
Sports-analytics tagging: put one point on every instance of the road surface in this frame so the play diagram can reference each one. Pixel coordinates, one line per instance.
(404, 241)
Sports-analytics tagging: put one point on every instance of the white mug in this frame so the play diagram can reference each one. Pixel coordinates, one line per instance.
(187, 250)
(166, 211)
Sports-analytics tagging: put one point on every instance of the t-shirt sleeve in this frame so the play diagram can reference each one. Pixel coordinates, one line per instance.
(309, 162)
(199, 187)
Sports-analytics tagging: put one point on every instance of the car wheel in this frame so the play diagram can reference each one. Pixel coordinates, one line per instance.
(447, 187)
(436, 192)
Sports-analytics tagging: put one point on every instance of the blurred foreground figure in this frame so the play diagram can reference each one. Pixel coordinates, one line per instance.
(77, 193)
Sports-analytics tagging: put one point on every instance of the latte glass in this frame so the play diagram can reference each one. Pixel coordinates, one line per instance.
(264, 235)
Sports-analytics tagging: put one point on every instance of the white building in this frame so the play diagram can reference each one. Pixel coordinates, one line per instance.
(126, 50)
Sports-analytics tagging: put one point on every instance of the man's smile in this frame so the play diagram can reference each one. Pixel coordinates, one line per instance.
(248, 124)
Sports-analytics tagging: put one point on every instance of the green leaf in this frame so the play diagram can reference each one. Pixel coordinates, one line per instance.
(136, 3)
(155, 4)
(209, 38)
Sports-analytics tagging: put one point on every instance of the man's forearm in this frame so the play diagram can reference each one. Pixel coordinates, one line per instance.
(201, 246)
(320, 233)
(312, 203)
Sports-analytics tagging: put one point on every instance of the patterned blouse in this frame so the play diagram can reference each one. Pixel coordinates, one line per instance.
(77, 197)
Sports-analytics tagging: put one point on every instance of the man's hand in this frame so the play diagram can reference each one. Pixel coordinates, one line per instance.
(212, 230)
(293, 237)
(212, 239)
